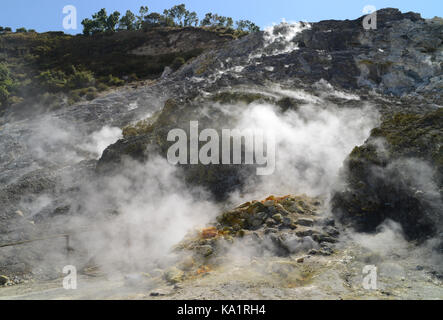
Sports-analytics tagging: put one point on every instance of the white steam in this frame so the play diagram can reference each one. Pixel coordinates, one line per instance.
(311, 143)
(60, 142)
(100, 140)
(154, 211)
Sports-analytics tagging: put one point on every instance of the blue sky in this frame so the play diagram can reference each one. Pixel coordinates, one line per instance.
(46, 15)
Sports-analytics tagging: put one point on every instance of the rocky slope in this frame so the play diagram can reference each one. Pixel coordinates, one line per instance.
(322, 87)
(396, 174)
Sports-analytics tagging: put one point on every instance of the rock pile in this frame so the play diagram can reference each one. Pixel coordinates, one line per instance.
(276, 226)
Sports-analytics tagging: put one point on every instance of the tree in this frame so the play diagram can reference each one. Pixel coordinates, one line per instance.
(207, 20)
(101, 19)
(141, 18)
(21, 30)
(220, 21)
(179, 15)
(191, 19)
(229, 22)
(215, 20)
(246, 25)
(101, 22)
(112, 21)
(127, 22)
(153, 19)
(91, 27)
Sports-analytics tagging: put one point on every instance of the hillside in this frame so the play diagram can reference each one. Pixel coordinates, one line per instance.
(54, 68)
(350, 119)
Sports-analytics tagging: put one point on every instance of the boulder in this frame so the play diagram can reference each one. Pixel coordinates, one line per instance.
(397, 174)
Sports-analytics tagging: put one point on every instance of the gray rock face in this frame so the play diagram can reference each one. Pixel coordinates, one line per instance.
(179, 40)
(403, 55)
(45, 158)
(397, 174)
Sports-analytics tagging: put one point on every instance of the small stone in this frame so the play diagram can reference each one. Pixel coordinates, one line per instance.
(228, 230)
(324, 238)
(304, 233)
(160, 293)
(271, 230)
(258, 207)
(325, 252)
(154, 294)
(3, 280)
(272, 210)
(205, 250)
(300, 260)
(277, 217)
(237, 227)
(19, 213)
(270, 222)
(269, 203)
(332, 231)
(305, 222)
(287, 221)
(329, 222)
(255, 223)
(282, 209)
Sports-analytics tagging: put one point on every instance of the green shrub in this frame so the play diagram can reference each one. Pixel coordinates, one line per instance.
(74, 97)
(7, 84)
(81, 79)
(114, 81)
(4, 95)
(91, 95)
(102, 87)
(53, 81)
(140, 128)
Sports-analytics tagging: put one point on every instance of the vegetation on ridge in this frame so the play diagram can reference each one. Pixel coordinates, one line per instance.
(177, 16)
(54, 68)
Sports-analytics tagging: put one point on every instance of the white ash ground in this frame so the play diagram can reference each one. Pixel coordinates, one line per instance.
(298, 255)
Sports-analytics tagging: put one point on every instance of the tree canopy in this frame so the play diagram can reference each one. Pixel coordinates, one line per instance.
(177, 16)
(101, 22)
